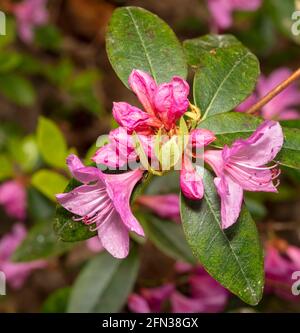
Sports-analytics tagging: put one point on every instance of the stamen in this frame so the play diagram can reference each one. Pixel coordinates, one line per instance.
(256, 168)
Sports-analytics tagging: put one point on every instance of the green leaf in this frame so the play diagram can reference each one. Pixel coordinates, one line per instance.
(17, 89)
(57, 302)
(196, 48)
(48, 37)
(65, 227)
(232, 256)
(226, 73)
(167, 237)
(6, 167)
(104, 284)
(290, 153)
(234, 125)
(39, 207)
(49, 183)
(138, 39)
(40, 243)
(51, 143)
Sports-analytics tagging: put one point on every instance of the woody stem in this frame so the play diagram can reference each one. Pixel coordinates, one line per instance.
(274, 92)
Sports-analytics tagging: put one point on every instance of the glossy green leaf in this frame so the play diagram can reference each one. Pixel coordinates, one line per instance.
(138, 39)
(17, 89)
(196, 48)
(65, 227)
(168, 237)
(232, 256)
(49, 183)
(234, 125)
(104, 284)
(226, 73)
(51, 143)
(40, 243)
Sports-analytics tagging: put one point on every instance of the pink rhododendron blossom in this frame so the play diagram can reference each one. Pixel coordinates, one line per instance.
(151, 299)
(29, 14)
(191, 183)
(280, 264)
(243, 167)
(13, 198)
(163, 104)
(103, 200)
(16, 273)
(283, 106)
(94, 244)
(165, 206)
(222, 10)
(204, 294)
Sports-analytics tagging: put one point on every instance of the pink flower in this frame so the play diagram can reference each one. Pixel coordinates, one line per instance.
(165, 206)
(103, 200)
(191, 183)
(151, 299)
(222, 10)
(94, 244)
(163, 104)
(13, 198)
(203, 294)
(282, 107)
(29, 14)
(242, 167)
(16, 273)
(279, 267)
(206, 295)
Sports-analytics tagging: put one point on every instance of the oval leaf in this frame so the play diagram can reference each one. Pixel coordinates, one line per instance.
(168, 237)
(233, 256)
(226, 75)
(104, 284)
(51, 143)
(41, 242)
(49, 183)
(138, 39)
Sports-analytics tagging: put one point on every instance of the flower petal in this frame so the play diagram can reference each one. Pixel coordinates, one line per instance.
(191, 182)
(143, 85)
(171, 101)
(261, 147)
(119, 188)
(133, 119)
(81, 172)
(138, 304)
(84, 200)
(114, 236)
(231, 195)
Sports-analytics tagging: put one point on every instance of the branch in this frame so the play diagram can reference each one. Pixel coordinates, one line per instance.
(274, 92)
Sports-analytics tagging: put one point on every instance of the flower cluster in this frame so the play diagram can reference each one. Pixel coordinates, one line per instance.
(103, 201)
(204, 294)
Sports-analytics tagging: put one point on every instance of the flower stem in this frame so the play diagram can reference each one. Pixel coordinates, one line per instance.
(274, 92)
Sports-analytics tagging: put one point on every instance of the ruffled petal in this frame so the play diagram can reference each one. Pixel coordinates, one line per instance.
(133, 119)
(81, 172)
(143, 85)
(261, 147)
(201, 137)
(171, 101)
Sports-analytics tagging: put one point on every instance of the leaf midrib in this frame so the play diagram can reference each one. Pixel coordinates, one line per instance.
(224, 236)
(223, 82)
(142, 42)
